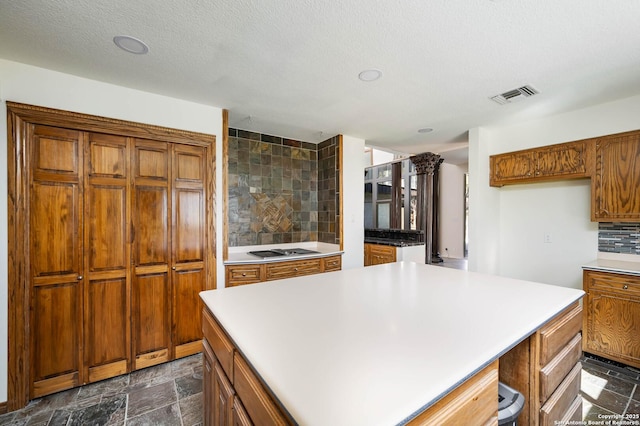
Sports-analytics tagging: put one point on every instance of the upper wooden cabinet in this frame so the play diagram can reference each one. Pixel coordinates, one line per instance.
(614, 191)
(562, 161)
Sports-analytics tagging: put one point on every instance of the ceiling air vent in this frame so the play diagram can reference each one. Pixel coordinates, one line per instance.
(515, 95)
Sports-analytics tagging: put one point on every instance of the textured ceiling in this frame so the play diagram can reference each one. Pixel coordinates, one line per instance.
(290, 68)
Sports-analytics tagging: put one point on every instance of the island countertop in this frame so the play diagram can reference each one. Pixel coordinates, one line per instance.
(378, 345)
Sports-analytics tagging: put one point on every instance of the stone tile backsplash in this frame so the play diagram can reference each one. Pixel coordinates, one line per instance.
(619, 238)
(281, 190)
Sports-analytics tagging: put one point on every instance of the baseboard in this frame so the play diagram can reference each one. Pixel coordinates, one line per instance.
(3, 407)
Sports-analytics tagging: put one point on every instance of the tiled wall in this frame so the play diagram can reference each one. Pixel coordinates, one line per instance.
(275, 192)
(328, 191)
(619, 238)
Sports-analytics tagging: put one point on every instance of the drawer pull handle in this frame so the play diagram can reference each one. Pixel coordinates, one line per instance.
(295, 269)
(244, 274)
(625, 286)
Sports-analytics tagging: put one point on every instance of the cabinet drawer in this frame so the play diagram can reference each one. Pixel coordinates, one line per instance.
(296, 268)
(218, 341)
(574, 413)
(553, 373)
(243, 274)
(333, 263)
(607, 281)
(475, 402)
(562, 399)
(557, 333)
(258, 403)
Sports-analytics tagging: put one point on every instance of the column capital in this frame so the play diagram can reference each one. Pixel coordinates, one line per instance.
(427, 162)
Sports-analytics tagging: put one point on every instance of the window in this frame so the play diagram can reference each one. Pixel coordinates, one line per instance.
(379, 187)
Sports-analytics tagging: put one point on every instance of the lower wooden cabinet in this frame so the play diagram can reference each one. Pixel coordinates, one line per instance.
(241, 274)
(377, 254)
(475, 402)
(545, 368)
(233, 393)
(612, 316)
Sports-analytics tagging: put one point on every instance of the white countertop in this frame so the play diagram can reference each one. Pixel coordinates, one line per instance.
(240, 255)
(377, 345)
(614, 265)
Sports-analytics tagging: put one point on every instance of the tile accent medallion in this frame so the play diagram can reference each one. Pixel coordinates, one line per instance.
(619, 238)
(278, 187)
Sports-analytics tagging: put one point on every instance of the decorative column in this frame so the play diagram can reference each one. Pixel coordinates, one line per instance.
(427, 165)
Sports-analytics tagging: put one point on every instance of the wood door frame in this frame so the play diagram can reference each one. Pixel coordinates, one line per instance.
(19, 118)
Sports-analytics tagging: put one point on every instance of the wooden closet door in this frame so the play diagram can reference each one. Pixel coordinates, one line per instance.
(55, 261)
(188, 246)
(107, 259)
(151, 308)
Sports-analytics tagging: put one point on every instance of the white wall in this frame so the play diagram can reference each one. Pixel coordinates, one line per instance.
(507, 225)
(37, 86)
(353, 200)
(451, 210)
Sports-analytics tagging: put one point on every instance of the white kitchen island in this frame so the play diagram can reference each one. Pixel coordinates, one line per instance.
(375, 345)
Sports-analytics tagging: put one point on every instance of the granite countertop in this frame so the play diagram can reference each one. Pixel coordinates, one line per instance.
(240, 255)
(396, 243)
(614, 265)
(378, 345)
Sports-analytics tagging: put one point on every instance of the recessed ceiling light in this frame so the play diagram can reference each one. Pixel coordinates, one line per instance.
(425, 130)
(370, 75)
(131, 45)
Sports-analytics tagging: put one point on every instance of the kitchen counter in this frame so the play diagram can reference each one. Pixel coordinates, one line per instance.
(378, 345)
(395, 243)
(617, 266)
(394, 237)
(240, 255)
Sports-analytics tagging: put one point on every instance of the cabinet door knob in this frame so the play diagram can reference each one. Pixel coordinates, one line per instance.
(80, 277)
(244, 274)
(173, 267)
(625, 286)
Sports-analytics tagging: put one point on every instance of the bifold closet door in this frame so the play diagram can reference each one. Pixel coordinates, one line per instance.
(188, 247)
(55, 260)
(151, 304)
(107, 258)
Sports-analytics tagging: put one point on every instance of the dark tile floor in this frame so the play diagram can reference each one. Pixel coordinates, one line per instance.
(168, 394)
(609, 388)
(171, 394)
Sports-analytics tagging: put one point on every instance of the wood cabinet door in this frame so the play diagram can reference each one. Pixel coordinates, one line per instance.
(379, 254)
(107, 258)
(511, 166)
(239, 414)
(566, 159)
(615, 194)
(151, 304)
(55, 261)
(612, 321)
(223, 394)
(208, 361)
(188, 246)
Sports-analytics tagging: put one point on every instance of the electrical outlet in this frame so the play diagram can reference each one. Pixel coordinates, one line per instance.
(547, 237)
